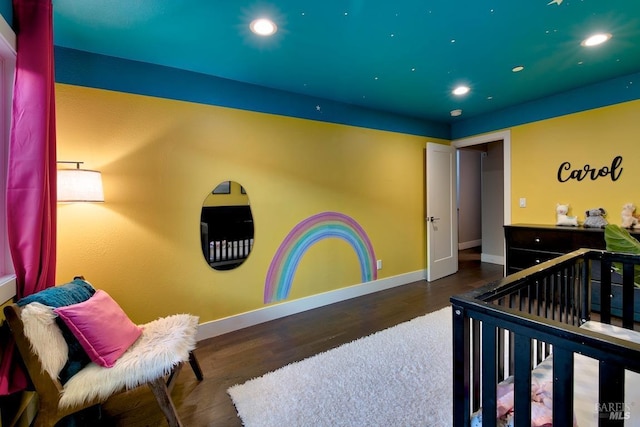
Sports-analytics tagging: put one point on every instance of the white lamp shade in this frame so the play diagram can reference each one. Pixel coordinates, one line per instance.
(79, 185)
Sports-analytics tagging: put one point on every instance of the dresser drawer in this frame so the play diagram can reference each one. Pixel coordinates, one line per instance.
(543, 240)
(589, 239)
(522, 258)
(531, 244)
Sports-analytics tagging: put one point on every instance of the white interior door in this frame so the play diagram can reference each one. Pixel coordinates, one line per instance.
(442, 220)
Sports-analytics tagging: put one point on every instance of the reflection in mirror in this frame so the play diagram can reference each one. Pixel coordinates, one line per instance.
(226, 226)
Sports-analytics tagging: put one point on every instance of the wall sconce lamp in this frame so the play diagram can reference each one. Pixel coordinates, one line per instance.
(79, 185)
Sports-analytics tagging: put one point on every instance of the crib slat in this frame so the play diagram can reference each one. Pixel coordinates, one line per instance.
(627, 295)
(512, 352)
(572, 286)
(611, 394)
(540, 351)
(477, 366)
(585, 292)
(522, 381)
(562, 295)
(548, 285)
(539, 297)
(461, 408)
(562, 387)
(501, 354)
(577, 287)
(554, 297)
(489, 374)
(605, 291)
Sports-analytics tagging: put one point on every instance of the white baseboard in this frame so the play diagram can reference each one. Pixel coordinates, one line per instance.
(492, 259)
(7, 288)
(250, 318)
(469, 244)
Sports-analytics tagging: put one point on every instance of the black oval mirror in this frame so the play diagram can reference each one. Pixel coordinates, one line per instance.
(226, 226)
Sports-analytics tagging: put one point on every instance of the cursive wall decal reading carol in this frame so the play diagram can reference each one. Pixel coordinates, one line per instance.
(565, 173)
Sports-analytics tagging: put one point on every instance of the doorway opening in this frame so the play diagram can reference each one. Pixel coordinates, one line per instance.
(484, 195)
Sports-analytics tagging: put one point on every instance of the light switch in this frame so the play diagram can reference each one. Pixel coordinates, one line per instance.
(523, 202)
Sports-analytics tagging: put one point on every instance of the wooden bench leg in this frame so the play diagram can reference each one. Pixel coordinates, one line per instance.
(171, 379)
(174, 373)
(195, 366)
(159, 389)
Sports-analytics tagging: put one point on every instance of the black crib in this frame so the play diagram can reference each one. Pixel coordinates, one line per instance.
(510, 326)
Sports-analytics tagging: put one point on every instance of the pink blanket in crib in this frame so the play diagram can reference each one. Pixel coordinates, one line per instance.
(541, 402)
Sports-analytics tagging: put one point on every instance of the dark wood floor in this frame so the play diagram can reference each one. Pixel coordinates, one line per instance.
(239, 356)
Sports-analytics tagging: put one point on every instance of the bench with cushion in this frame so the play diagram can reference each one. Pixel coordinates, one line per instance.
(80, 349)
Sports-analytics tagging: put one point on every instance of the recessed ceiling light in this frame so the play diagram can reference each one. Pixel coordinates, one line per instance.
(596, 39)
(461, 90)
(517, 69)
(456, 113)
(263, 27)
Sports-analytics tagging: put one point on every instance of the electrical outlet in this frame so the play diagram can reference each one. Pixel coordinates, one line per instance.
(379, 264)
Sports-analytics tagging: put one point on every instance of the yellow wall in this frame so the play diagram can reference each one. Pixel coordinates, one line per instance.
(161, 158)
(594, 137)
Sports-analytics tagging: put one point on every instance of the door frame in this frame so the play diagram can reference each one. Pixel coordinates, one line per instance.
(505, 137)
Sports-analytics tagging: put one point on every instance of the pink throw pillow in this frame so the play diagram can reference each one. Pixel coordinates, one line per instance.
(102, 327)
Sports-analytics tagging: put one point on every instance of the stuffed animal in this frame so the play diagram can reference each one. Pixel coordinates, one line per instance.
(562, 218)
(629, 219)
(595, 218)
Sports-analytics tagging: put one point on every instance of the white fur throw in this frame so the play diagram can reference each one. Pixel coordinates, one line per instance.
(164, 343)
(45, 337)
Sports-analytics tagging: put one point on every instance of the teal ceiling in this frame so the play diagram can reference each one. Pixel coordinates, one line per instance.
(402, 56)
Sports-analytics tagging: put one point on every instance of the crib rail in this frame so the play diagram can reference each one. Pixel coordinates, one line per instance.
(223, 254)
(509, 326)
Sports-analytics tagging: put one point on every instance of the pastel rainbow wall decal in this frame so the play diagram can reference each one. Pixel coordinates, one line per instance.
(308, 232)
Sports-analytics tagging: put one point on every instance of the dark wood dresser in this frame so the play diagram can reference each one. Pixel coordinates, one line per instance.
(531, 244)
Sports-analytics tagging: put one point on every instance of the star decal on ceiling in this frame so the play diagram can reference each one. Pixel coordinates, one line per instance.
(558, 2)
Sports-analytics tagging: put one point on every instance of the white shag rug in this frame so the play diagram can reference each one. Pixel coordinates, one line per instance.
(401, 376)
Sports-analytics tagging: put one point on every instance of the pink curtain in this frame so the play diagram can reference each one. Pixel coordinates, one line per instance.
(31, 179)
